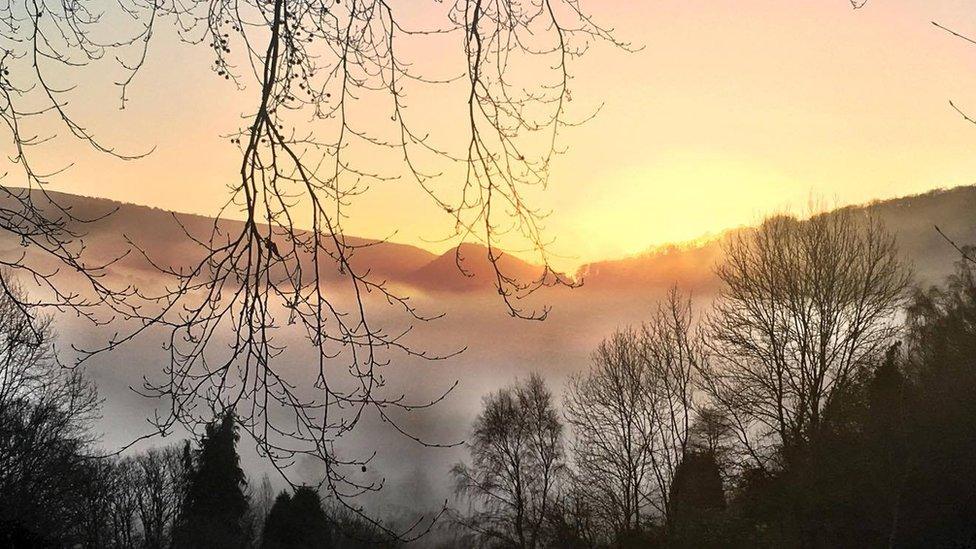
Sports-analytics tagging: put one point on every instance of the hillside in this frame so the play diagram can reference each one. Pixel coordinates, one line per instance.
(912, 219)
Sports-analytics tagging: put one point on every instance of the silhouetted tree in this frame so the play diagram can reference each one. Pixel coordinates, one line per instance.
(890, 463)
(297, 522)
(939, 499)
(351, 530)
(160, 489)
(697, 502)
(517, 459)
(574, 522)
(261, 503)
(674, 354)
(807, 307)
(215, 506)
(45, 438)
(121, 487)
(631, 417)
(278, 523)
(891, 455)
(611, 414)
(712, 434)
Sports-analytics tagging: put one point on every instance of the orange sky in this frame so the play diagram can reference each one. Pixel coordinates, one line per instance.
(733, 108)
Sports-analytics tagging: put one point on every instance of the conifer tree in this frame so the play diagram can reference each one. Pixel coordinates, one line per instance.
(297, 522)
(697, 499)
(216, 505)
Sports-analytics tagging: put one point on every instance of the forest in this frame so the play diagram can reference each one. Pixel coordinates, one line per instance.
(823, 400)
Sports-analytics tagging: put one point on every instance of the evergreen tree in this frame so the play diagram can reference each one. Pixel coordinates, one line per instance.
(890, 456)
(215, 507)
(277, 524)
(697, 501)
(297, 522)
(938, 501)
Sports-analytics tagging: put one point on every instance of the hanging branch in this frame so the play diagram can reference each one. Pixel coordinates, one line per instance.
(320, 70)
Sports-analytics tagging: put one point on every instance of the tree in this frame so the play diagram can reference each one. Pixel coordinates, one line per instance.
(159, 489)
(806, 308)
(215, 506)
(674, 354)
(574, 522)
(610, 414)
(352, 530)
(105, 507)
(277, 526)
(938, 495)
(123, 503)
(712, 434)
(297, 522)
(889, 465)
(45, 441)
(261, 505)
(517, 458)
(631, 417)
(887, 436)
(697, 501)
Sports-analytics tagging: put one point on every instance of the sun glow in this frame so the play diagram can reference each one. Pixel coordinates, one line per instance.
(731, 110)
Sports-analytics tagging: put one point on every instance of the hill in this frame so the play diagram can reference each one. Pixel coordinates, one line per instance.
(912, 220)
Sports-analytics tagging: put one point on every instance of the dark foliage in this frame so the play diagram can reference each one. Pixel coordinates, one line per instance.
(892, 464)
(47, 460)
(297, 522)
(697, 502)
(938, 501)
(215, 509)
(43, 472)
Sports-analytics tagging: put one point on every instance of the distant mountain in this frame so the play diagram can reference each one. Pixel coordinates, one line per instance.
(693, 265)
(160, 233)
(467, 267)
(912, 220)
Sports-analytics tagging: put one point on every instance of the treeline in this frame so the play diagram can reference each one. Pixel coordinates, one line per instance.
(58, 490)
(821, 401)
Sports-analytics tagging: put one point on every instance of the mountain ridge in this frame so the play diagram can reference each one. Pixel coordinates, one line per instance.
(911, 219)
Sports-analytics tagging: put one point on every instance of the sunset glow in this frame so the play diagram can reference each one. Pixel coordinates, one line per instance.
(731, 109)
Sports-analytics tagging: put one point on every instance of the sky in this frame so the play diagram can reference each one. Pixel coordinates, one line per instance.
(730, 110)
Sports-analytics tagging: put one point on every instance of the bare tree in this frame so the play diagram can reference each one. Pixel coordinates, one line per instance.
(575, 521)
(631, 415)
(805, 308)
(712, 434)
(674, 353)
(29, 370)
(262, 500)
(48, 466)
(517, 459)
(159, 489)
(610, 414)
(119, 483)
(44, 406)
